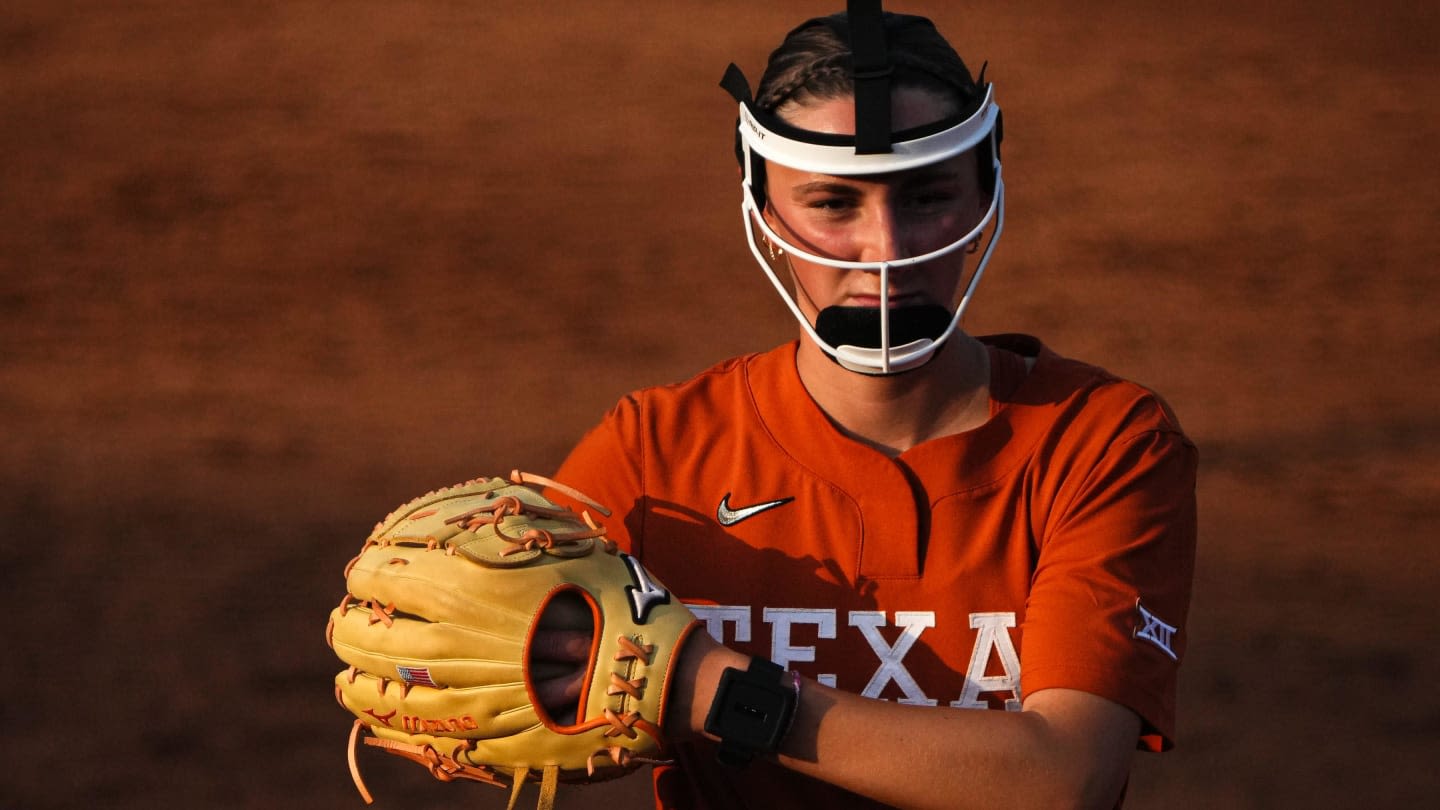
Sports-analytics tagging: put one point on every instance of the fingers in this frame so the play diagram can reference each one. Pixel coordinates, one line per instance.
(559, 656)
(565, 631)
(548, 670)
(559, 691)
(567, 611)
(560, 696)
(565, 646)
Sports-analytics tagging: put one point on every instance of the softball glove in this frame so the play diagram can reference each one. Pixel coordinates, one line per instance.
(436, 626)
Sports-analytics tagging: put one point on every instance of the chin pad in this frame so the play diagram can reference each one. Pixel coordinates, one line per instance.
(860, 326)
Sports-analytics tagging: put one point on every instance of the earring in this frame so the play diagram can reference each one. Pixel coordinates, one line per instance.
(774, 252)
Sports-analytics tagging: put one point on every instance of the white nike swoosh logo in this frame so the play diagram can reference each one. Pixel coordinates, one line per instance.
(729, 517)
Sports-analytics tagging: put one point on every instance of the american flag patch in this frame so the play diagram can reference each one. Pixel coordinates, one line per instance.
(419, 676)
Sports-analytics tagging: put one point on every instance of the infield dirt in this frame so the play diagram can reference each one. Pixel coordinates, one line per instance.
(272, 268)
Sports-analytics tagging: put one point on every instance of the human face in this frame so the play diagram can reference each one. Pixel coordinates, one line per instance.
(875, 217)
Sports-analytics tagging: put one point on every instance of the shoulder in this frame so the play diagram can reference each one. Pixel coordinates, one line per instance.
(1081, 397)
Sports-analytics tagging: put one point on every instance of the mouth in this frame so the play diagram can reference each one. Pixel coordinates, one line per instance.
(872, 300)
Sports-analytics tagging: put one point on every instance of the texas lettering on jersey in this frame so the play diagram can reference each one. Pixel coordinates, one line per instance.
(735, 623)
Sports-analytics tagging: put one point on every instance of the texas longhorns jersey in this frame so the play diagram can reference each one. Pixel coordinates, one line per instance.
(1052, 546)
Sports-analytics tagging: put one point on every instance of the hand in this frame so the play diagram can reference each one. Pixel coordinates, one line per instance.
(560, 654)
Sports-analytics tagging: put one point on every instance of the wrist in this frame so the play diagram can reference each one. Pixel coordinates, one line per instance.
(753, 711)
(703, 662)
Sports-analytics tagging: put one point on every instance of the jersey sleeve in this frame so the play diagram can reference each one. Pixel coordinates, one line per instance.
(607, 465)
(1111, 588)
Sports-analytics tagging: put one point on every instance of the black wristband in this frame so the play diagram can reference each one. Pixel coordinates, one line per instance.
(752, 711)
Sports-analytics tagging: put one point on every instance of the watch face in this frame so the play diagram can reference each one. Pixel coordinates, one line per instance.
(749, 714)
(750, 706)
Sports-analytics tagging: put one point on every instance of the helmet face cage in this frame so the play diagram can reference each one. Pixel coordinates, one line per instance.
(764, 137)
(886, 359)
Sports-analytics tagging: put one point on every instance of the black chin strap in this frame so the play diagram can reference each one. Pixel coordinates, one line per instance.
(872, 77)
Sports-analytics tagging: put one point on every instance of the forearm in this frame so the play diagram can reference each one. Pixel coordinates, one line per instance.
(918, 757)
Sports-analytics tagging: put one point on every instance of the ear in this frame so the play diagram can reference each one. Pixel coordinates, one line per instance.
(773, 220)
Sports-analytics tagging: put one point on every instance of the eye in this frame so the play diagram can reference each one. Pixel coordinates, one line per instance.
(827, 199)
(934, 196)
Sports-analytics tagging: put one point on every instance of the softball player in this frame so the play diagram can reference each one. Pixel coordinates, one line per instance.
(938, 570)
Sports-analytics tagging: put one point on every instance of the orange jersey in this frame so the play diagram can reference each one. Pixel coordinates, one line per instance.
(1052, 546)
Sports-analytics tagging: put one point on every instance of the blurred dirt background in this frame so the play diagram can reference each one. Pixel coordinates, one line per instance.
(268, 269)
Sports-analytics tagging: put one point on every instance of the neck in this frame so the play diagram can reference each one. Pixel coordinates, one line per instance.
(948, 395)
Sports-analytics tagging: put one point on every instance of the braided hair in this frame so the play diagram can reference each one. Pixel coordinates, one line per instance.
(814, 63)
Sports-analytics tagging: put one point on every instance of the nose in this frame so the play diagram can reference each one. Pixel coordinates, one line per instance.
(882, 234)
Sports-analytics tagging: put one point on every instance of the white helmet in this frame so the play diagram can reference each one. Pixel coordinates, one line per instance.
(867, 341)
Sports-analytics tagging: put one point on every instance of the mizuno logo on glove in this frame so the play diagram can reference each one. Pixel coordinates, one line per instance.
(644, 594)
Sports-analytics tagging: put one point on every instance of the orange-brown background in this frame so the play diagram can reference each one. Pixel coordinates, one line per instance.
(271, 268)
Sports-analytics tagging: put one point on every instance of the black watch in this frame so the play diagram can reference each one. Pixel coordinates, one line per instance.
(752, 711)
